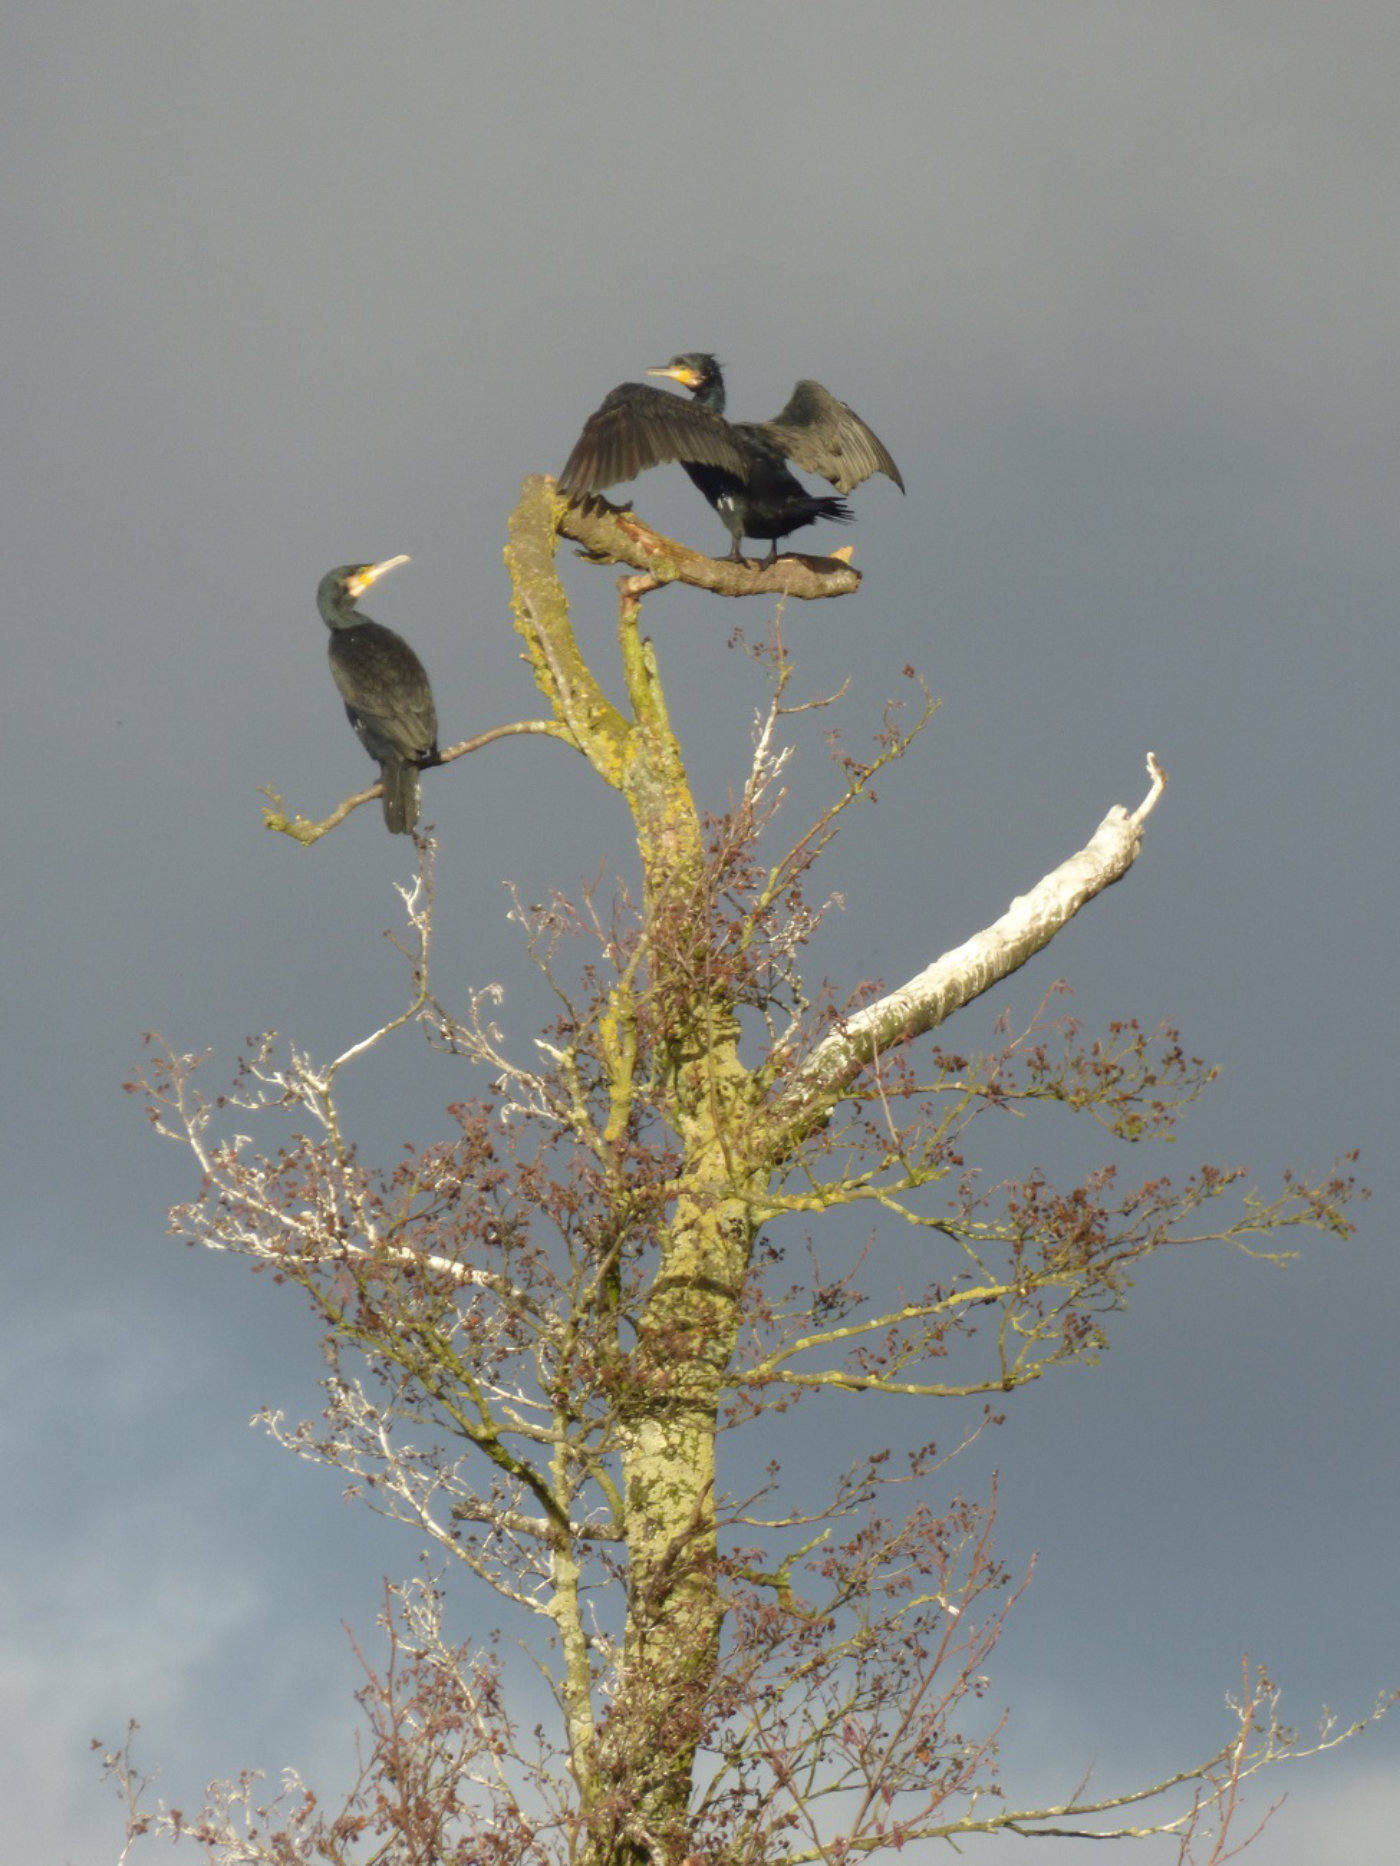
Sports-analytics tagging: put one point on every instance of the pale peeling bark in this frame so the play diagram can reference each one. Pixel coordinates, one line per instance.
(954, 980)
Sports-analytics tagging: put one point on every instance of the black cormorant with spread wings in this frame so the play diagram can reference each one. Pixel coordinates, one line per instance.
(740, 466)
(385, 689)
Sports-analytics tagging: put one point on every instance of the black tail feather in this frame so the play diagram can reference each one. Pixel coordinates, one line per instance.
(403, 795)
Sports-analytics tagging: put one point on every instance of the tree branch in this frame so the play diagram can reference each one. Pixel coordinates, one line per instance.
(301, 829)
(613, 534)
(581, 707)
(954, 980)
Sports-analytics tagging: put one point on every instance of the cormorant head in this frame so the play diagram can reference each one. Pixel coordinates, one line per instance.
(697, 371)
(342, 588)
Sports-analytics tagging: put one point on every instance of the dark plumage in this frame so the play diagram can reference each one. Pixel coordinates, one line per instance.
(385, 689)
(740, 466)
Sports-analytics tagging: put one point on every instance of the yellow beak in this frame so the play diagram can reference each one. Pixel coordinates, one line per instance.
(687, 378)
(373, 572)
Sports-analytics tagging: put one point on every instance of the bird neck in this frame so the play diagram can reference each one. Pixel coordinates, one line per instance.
(342, 615)
(710, 394)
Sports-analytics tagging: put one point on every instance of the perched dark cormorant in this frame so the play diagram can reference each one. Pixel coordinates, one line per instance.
(740, 465)
(385, 689)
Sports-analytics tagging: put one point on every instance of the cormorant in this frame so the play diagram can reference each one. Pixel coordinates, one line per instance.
(385, 689)
(739, 466)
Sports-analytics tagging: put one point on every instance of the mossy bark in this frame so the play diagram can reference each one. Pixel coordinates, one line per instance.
(641, 1761)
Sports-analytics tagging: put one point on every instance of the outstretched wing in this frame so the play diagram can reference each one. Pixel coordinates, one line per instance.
(637, 427)
(823, 436)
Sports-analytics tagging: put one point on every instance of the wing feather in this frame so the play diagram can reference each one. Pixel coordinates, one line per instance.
(823, 435)
(636, 427)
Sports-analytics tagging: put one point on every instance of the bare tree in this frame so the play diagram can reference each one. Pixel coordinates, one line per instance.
(540, 1333)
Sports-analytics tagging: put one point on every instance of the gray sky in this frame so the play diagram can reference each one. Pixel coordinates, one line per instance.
(296, 283)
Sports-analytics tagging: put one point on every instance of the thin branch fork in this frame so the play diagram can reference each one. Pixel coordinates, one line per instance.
(954, 980)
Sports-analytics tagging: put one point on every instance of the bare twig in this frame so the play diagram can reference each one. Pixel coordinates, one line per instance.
(303, 830)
